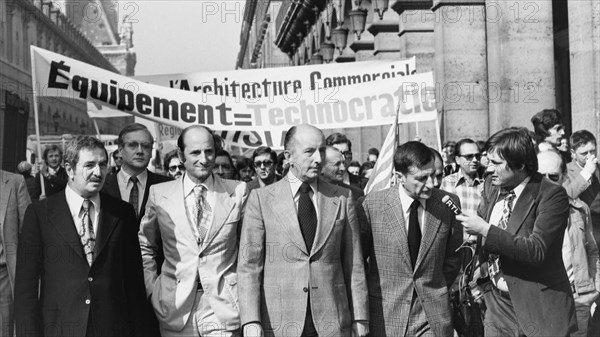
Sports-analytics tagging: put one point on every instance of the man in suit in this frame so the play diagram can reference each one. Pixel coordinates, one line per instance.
(133, 180)
(197, 218)
(300, 264)
(411, 245)
(79, 267)
(14, 199)
(522, 220)
(334, 170)
(342, 143)
(264, 160)
(583, 176)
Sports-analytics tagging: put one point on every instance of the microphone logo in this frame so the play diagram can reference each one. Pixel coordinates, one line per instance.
(450, 204)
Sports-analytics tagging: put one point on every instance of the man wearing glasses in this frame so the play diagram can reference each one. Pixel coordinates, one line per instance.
(264, 160)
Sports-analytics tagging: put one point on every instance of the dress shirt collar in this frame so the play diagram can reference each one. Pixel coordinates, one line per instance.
(295, 184)
(406, 200)
(519, 189)
(463, 179)
(188, 184)
(75, 201)
(124, 177)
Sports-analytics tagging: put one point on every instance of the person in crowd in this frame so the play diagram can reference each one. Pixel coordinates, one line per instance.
(196, 217)
(579, 249)
(15, 199)
(342, 143)
(92, 283)
(245, 169)
(224, 166)
(333, 171)
(450, 165)
(133, 180)
(565, 150)
(366, 169)
(583, 175)
(173, 165)
(118, 160)
(55, 176)
(522, 219)
(24, 168)
(282, 165)
(484, 161)
(372, 155)
(353, 168)
(548, 128)
(264, 160)
(312, 281)
(411, 247)
(439, 168)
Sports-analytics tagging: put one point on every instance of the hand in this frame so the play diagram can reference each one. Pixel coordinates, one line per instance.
(473, 224)
(360, 329)
(253, 330)
(590, 165)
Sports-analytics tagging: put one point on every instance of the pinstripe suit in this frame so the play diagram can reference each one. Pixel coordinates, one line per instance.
(391, 279)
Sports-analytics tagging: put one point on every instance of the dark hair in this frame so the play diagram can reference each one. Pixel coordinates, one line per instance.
(450, 143)
(51, 148)
(460, 144)
(170, 155)
(544, 121)
(217, 140)
(280, 169)
(114, 154)
(338, 138)
(223, 153)
(481, 145)
(264, 150)
(436, 155)
(580, 138)
(354, 163)
(75, 146)
(514, 145)
(412, 153)
(365, 166)
(373, 151)
(244, 162)
(132, 128)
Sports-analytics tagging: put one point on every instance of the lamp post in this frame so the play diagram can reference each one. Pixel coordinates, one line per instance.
(339, 36)
(358, 17)
(327, 49)
(380, 6)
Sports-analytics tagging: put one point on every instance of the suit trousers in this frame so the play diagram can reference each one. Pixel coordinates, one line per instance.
(309, 329)
(417, 326)
(6, 304)
(202, 322)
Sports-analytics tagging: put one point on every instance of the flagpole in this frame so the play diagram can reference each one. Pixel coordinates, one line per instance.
(97, 128)
(37, 122)
(439, 136)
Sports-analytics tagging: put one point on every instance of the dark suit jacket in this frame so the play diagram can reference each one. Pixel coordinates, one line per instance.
(577, 187)
(530, 251)
(53, 184)
(110, 294)
(111, 187)
(390, 276)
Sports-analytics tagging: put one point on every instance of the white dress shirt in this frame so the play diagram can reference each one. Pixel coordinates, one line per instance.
(125, 186)
(295, 184)
(406, 201)
(190, 201)
(75, 202)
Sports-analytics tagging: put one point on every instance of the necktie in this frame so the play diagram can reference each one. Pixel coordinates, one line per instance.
(202, 210)
(307, 216)
(494, 263)
(134, 194)
(86, 234)
(414, 232)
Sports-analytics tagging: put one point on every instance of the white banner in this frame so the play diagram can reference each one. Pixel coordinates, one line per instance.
(327, 96)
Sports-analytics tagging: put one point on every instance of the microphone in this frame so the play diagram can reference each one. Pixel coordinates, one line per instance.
(450, 204)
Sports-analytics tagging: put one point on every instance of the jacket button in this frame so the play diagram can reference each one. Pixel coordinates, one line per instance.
(90, 279)
(305, 289)
(87, 301)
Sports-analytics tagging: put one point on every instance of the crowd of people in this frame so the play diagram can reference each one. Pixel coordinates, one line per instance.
(494, 238)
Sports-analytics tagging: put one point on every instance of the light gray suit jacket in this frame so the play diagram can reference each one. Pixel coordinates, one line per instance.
(174, 290)
(14, 200)
(277, 272)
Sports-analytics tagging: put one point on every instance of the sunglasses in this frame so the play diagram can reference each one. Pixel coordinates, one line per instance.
(267, 163)
(470, 157)
(176, 167)
(554, 177)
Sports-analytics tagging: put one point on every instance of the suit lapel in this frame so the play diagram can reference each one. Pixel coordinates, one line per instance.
(281, 203)
(106, 225)
(173, 201)
(111, 186)
(60, 217)
(396, 224)
(328, 211)
(523, 206)
(430, 229)
(3, 201)
(223, 207)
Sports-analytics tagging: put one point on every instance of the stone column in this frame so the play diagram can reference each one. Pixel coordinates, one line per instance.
(385, 32)
(461, 68)
(584, 47)
(520, 53)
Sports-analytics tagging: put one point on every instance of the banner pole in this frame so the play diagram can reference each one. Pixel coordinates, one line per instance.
(37, 122)
(97, 128)
(439, 136)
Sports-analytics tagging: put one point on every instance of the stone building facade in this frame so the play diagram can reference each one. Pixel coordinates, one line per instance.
(47, 25)
(495, 62)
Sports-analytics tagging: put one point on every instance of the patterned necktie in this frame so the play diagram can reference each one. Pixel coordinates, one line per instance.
(414, 232)
(134, 195)
(86, 233)
(202, 209)
(494, 262)
(307, 216)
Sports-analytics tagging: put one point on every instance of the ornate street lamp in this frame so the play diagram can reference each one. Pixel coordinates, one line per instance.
(339, 36)
(380, 6)
(316, 58)
(327, 49)
(358, 17)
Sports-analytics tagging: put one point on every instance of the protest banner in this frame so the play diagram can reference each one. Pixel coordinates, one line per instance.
(341, 98)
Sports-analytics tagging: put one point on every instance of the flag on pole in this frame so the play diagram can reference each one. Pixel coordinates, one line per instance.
(383, 171)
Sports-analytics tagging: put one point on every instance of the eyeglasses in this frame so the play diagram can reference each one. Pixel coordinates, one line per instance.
(347, 153)
(470, 157)
(553, 176)
(176, 167)
(136, 145)
(267, 163)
